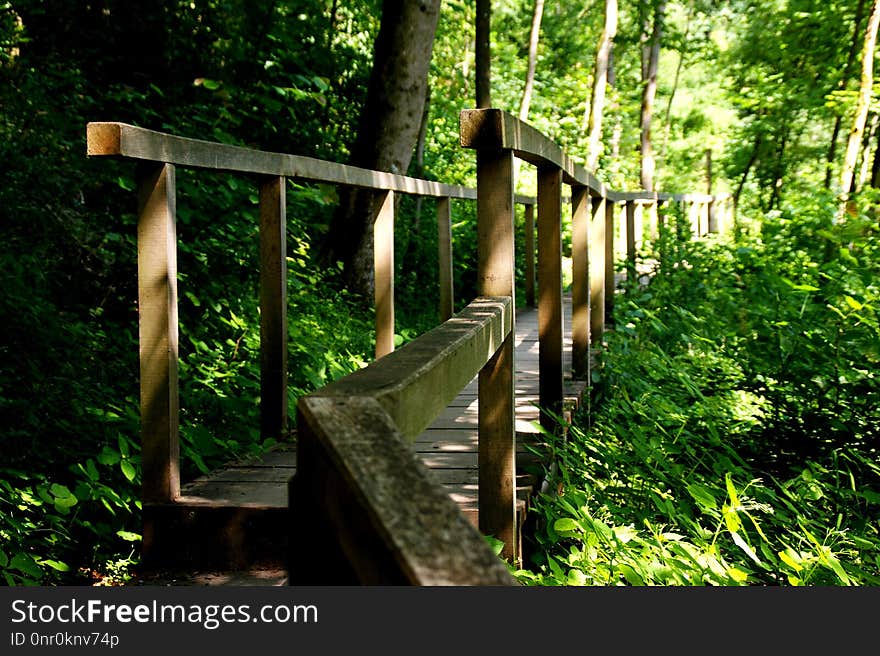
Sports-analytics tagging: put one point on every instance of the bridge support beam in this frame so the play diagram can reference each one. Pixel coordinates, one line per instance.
(383, 268)
(550, 296)
(580, 282)
(444, 258)
(158, 333)
(497, 426)
(529, 220)
(600, 242)
(273, 307)
(609, 279)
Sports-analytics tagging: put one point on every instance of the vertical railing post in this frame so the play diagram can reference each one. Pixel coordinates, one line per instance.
(273, 307)
(383, 267)
(693, 217)
(600, 238)
(550, 392)
(497, 427)
(713, 215)
(632, 209)
(158, 332)
(444, 258)
(529, 220)
(609, 277)
(653, 220)
(580, 282)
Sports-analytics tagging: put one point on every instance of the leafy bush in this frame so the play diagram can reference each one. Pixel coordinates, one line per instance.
(734, 434)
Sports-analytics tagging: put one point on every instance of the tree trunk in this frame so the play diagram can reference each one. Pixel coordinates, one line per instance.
(667, 120)
(650, 62)
(534, 35)
(779, 171)
(875, 166)
(387, 133)
(855, 136)
(614, 106)
(526, 99)
(418, 166)
(865, 157)
(600, 84)
(483, 54)
(742, 181)
(847, 69)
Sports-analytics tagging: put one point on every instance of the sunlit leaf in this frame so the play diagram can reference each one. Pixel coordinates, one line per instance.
(25, 564)
(128, 470)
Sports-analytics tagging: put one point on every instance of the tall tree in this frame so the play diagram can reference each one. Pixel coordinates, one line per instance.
(600, 84)
(534, 35)
(847, 69)
(387, 132)
(864, 101)
(667, 120)
(653, 33)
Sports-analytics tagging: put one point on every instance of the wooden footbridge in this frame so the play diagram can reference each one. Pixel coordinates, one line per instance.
(399, 469)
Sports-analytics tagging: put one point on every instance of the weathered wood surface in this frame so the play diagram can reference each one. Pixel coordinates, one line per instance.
(372, 515)
(108, 139)
(273, 307)
(448, 447)
(415, 383)
(495, 276)
(158, 331)
(497, 129)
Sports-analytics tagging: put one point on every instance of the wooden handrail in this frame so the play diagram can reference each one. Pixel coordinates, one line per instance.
(123, 140)
(359, 483)
(493, 128)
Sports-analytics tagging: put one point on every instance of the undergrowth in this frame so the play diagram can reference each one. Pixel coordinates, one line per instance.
(733, 438)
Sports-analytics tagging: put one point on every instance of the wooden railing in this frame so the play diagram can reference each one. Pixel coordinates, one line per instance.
(365, 508)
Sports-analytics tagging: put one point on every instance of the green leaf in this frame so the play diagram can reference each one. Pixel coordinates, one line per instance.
(4, 559)
(731, 490)
(738, 575)
(92, 470)
(786, 558)
(565, 525)
(108, 456)
(731, 519)
(128, 469)
(56, 565)
(745, 547)
(128, 536)
(26, 565)
(61, 491)
(65, 502)
(495, 544)
(576, 578)
(853, 303)
(702, 495)
(631, 576)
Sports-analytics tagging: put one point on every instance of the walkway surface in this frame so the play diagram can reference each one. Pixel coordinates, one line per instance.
(448, 447)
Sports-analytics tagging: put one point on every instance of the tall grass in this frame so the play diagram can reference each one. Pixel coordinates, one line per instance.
(733, 438)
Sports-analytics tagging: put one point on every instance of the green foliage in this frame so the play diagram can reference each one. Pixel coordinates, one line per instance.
(734, 436)
(795, 370)
(70, 491)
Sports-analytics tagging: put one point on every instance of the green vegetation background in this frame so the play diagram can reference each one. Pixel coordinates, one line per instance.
(793, 355)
